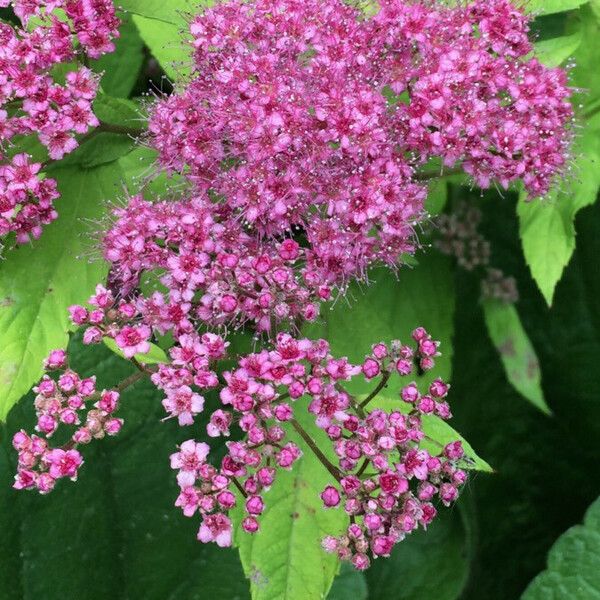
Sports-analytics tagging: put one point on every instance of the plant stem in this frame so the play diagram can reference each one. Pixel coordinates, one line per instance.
(363, 467)
(133, 378)
(382, 384)
(239, 487)
(122, 129)
(335, 472)
(426, 175)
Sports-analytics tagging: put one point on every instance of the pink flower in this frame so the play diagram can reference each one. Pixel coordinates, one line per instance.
(183, 404)
(216, 528)
(134, 340)
(63, 463)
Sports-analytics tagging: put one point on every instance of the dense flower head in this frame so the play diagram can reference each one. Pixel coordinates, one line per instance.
(33, 103)
(65, 401)
(300, 136)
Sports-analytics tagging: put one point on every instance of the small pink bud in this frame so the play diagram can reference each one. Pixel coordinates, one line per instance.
(250, 525)
(255, 505)
(330, 497)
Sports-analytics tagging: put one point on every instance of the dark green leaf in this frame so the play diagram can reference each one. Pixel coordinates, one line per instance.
(115, 532)
(573, 564)
(121, 68)
(427, 565)
(349, 584)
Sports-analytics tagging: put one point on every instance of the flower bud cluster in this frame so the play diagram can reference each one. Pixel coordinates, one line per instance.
(66, 401)
(33, 103)
(387, 474)
(460, 238)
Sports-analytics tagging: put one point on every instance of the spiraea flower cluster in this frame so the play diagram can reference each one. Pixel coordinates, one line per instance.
(33, 103)
(382, 476)
(300, 137)
(66, 401)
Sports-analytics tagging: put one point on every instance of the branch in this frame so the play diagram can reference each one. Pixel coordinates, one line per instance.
(335, 472)
(382, 384)
(426, 175)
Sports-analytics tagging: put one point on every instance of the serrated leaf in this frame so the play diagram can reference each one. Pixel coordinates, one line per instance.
(516, 351)
(284, 560)
(155, 356)
(555, 51)
(38, 282)
(573, 562)
(546, 226)
(115, 532)
(548, 7)
(427, 565)
(121, 68)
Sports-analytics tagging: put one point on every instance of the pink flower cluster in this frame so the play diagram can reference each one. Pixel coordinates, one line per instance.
(66, 401)
(214, 271)
(31, 102)
(384, 477)
(300, 136)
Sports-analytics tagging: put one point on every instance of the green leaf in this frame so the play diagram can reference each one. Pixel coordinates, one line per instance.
(349, 584)
(121, 68)
(438, 432)
(167, 45)
(572, 564)
(427, 565)
(285, 559)
(516, 351)
(118, 111)
(390, 308)
(154, 357)
(585, 76)
(548, 7)
(437, 197)
(39, 281)
(543, 466)
(115, 532)
(99, 148)
(555, 51)
(546, 226)
(169, 11)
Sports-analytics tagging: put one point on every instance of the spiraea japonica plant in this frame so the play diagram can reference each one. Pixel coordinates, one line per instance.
(303, 143)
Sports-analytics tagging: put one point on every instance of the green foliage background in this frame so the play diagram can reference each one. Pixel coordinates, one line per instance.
(115, 534)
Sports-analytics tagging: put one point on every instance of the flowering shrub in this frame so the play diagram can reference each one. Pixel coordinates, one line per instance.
(298, 153)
